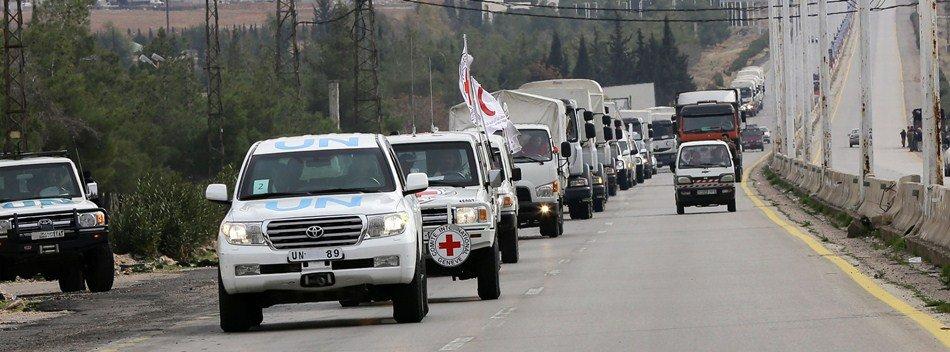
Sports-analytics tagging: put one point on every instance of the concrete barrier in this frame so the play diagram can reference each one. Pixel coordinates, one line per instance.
(905, 215)
(839, 197)
(854, 193)
(817, 176)
(829, 183)
(934, 234)
(878, 198)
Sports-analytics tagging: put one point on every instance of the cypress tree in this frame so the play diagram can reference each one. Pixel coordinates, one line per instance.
(556, 58)
(620, 63)
(583, 68)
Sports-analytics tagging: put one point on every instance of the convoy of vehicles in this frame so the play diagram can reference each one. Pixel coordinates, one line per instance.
(325, 218)
(49, 224)
(705, 176)
(459, 209)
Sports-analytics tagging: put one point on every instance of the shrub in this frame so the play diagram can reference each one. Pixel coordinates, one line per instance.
(165, 215)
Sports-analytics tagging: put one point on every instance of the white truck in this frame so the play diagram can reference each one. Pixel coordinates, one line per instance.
(508, 204)
(459, 210)
(549, 139)
(49, 224)
(704, 176)
(587, 97)
(320, 218)
(662, 133)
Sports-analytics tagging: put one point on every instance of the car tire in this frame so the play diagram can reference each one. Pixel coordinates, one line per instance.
(598, 205)
(349, 303)
(238, 312)
(639, 174)
(6, 271)
(554, 228)
(680, 209)
(411, 301)
(581, 210)
(70, 278)
(624, 183)
(612, 189)
(99, 270)
(731, 206)
(508, 235)
(489, 280)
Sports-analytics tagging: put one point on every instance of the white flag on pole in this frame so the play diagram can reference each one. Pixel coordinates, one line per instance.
(484, 109)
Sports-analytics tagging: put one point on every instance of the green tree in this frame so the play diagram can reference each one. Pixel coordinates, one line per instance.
(620, 62)
(583, 68)
(556, 58)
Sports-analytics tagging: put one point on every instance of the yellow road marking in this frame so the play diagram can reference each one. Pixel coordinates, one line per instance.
(927, 322)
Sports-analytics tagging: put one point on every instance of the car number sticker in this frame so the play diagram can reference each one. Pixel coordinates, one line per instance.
(449, 245)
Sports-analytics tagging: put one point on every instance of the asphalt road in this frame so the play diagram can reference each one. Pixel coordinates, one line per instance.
(636, 277)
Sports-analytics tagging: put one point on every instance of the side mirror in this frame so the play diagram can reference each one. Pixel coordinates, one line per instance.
(742, 115)
(516, 174)
(566, 149)
(416, 182)
(494, 178)
(608, 133)
(218, 193)
(588, 116)
(606, 120)
(590, 132)
(619, 133)
(92, 190)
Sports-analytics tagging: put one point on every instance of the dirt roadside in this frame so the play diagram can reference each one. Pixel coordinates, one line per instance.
(95, 319)
(918, 284)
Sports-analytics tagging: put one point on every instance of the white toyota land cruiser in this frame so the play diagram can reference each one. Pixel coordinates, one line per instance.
(459, 211)
(320, 218)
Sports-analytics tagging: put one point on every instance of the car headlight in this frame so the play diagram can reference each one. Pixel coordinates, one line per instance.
(598, 180)
(620, 164)
(550, 190)
(471, 215)
(506, 200)
(683, 180)
(609, 170)
(5, 226)
(92, 219)
(386, 224)
(242, 233)
(578, 182)
(728, 178)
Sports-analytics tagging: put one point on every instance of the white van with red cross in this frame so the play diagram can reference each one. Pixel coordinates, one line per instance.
(459, 210)
(320, 218)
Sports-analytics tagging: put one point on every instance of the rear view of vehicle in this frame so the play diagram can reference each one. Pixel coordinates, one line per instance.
(320, 218)
(704, 176)
(49, 226)
(752, 138)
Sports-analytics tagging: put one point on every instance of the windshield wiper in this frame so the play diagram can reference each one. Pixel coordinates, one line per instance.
(539, 161)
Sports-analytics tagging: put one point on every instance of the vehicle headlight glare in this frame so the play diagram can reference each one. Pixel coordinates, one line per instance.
(242, 233)
(386, 224)
(471, 215)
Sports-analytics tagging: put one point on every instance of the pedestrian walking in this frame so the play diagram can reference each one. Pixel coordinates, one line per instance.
(903, 138)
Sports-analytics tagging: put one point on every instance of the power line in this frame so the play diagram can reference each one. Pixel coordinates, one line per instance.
(337, 18)
(617, 9)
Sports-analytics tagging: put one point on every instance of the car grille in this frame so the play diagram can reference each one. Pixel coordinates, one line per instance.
(523, 193)
(57, 221)
(435, 216)
(292, 233)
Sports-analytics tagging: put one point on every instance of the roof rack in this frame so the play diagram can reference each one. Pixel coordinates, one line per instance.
(17, 156)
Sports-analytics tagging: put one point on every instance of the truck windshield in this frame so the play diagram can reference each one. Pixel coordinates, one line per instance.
(615, 149)
(37, 181)
(663, 129)
(745, 93)
(708, 123)
(535, 146)
(446, 163)
(635, 126)
(752, 133)
(704, 156)
(316, 172)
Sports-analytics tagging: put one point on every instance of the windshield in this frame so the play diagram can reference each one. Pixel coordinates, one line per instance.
(708, 123)
(663, 130)
(615, 149)
(316, 172)
(38, 181)
(745, 93)
(635, 126)
(535, 146)
(752, 133)
(623, 145)
(704, 156)
(446, 163)
(641, 145)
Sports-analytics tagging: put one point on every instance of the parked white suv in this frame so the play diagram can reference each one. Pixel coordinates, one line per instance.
(320, 218)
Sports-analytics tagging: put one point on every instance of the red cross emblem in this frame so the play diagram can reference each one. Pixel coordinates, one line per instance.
(450, 245)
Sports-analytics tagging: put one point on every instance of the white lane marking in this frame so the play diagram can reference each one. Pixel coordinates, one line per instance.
(457, 343)
(601, 231)
(503, 313)
(534, 291)
(498, 319)
(564, 261)
(609, 223)
(554, 272)
(583, 249)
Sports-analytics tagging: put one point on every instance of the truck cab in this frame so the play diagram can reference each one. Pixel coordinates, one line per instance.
(711, 115)
(459, 210)
(49, 224)
(662, 133)
(704, 176)
(320, 218)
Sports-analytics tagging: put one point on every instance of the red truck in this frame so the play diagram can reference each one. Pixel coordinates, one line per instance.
(709, 115)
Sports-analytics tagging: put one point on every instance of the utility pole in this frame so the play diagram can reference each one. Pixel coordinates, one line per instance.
(334, 96)
(778, 75)
(366, 107)
(412, 86)
(930, 107)
(804, 77)
(286, 55)
(788, 80)
(431, 105)
(212, 53)
(168, 22)
(824, 78)
(14, 109)
(867, 144)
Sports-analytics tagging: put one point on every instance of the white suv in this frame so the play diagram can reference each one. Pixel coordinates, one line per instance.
(320, 218)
